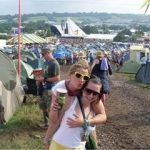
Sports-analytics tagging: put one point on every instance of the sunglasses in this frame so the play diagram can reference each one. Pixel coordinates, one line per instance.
(89, 92)
(79, 75)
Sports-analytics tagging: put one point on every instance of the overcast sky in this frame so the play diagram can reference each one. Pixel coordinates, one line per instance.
(49, 6)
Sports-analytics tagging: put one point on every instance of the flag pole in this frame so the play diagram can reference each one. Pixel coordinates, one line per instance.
(19, 39)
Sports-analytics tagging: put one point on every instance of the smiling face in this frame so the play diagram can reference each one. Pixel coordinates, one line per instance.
(91, 92)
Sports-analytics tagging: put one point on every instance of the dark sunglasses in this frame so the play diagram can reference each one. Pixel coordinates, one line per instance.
(89, 92)
(79, 75)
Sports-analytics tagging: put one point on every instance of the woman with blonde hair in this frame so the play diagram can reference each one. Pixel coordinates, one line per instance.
(79, 74)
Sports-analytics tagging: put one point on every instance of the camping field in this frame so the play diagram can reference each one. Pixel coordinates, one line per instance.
(127, 127)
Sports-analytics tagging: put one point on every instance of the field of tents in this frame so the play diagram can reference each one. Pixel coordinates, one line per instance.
(136, 60)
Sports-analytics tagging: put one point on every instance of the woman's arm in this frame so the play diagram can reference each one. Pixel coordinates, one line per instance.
(55, 117)
(54, 109)
(96, 61)
(100, 114)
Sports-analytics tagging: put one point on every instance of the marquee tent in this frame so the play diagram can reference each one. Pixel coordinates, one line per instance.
(27, 39)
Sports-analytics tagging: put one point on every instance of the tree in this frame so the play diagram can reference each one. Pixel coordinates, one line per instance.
(120, 37)
(105, 29)
(123, 36)
(126, 32)
(139, 33)
(90, 29)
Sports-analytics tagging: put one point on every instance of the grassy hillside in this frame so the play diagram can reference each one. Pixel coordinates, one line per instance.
(85, 18)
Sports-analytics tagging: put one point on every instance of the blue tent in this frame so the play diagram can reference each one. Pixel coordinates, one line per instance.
(61, 52)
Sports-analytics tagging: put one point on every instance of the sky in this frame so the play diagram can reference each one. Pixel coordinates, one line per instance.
(60, 6)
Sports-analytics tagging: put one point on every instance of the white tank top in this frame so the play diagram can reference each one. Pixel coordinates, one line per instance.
(69, 137)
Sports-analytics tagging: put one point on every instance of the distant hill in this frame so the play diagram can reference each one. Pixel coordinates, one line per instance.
(83, 18)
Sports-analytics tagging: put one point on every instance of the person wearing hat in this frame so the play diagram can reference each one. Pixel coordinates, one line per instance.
(100, 68)
(50, 77)
(82, 57)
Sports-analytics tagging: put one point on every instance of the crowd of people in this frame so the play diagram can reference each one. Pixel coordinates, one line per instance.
(86, 84)
(67, 51)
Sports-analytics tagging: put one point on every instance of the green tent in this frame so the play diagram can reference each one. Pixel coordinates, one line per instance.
(11, 90)
(8, 72)
(26, 71)
(27, 39)
(130, 67)
(27, 55)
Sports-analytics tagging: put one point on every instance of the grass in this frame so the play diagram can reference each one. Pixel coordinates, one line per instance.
(22, 130)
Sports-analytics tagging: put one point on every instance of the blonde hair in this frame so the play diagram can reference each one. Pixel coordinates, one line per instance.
(82, 64)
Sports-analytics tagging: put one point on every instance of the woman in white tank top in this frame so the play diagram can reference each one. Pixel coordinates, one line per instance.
(77, 77)
(69, 134)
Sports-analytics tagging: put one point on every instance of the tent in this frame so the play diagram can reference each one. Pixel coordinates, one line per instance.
(8, 72)
(130, 67)
(27, 56)
(61, 52)
(11, 90)
(26, 71)
(68, 28)
(143, 74)
(108, 37)
(133, 65)
(27, 39)
(138, 51)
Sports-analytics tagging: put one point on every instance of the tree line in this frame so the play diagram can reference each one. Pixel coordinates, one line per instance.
(43, 27)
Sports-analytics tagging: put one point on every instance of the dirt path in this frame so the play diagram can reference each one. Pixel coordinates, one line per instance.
(128, 110)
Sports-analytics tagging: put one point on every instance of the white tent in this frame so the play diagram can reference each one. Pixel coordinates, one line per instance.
(11, 90)
(70, 29)
(2, 43)
(73, 29)
(109, 37)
